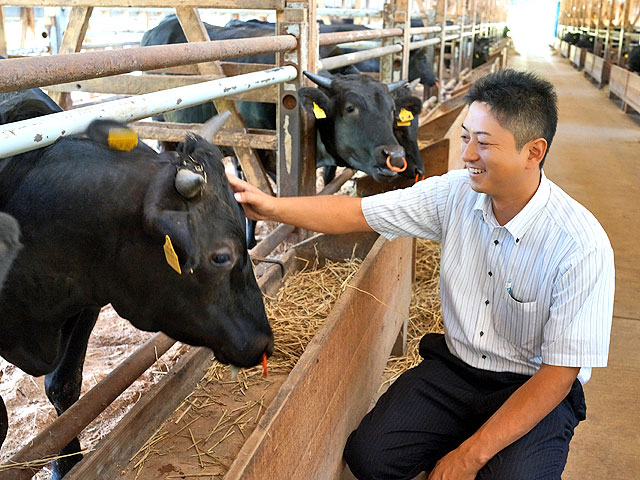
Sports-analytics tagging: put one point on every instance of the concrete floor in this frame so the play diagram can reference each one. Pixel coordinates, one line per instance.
(594, 157)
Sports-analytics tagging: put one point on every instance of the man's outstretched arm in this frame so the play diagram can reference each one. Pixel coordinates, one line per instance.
(323, 213)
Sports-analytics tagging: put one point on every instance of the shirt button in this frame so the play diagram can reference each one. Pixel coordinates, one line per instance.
(481, 333)
(484, 356)
(490, 273)
(517, 240)
(486, 302)
(496, 242)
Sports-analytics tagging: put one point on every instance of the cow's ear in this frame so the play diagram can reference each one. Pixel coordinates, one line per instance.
(167, 225)
(316, 102)
(413, 104)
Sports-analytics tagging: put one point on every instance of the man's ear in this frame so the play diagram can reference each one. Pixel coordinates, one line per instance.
(537, 149)
(316, 102)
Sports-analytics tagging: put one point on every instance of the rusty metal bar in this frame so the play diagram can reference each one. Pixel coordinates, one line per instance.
(174, 132)
(338, 61)
(424, 43)
(33, 133)
(355, 35)
(69, 425)
(22, 73)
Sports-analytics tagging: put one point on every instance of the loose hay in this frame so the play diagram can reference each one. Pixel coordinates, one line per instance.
(296, 314)
(425, 314)
(300, 308)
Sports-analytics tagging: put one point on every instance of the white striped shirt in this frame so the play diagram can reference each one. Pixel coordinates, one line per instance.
(538, 289)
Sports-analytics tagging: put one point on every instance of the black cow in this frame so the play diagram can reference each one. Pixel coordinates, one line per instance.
(480, 51)
(159, 236)
(633, 61)
(355, 124)
(260, 115)
(585, 41)
(420, 66)
(9, 244)
(571, 37)
(407, 135)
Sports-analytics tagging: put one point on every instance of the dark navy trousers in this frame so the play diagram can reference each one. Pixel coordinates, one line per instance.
(431, 409)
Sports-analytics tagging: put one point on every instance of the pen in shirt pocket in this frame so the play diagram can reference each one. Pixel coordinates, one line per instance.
(508, 287)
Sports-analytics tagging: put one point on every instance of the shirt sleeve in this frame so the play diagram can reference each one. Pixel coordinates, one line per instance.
(417, 211)
(578, 330)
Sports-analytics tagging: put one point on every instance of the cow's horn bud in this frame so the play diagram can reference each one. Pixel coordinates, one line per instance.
(413, 84)
(213, 125)
(318, 79)
(396, 85)
(188, 183)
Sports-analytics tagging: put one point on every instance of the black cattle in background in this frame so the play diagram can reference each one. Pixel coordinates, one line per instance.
(633, 61)
(585, 41)
(159, 236)
(407, 135)
(571, 37)
(480, 51)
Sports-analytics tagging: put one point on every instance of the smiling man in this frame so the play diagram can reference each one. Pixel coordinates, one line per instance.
(527, 283)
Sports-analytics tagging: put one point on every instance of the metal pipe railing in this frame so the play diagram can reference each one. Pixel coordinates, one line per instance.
(38, 132)
(356, 35)
(338, 61)
(349, 13)
(424, 43)
(22, 73)
(69, 425)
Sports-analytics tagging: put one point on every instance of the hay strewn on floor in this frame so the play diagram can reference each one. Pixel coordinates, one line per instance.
(296, 314)
(425, 315)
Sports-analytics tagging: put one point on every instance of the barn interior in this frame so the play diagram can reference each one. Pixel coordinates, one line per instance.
(88, 58)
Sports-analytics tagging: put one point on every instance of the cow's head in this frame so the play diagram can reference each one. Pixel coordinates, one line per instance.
(194, 278)
(420, 67)
(405, 129)
(354, 117)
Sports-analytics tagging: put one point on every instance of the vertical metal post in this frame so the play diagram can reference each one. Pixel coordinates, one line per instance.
(3, 36)
(441, 18)
(622, 42)
(295, 130)
(386, 62)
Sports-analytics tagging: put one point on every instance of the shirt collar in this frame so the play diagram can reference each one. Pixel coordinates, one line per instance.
(519, 224)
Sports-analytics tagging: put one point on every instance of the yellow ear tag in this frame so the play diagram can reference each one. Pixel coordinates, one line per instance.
(405, 117)
(122, 139)
(170, 255)
(318, 112)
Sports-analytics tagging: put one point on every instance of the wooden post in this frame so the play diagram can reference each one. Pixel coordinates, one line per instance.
(72, 42)
(622, 41)
(441, 19)
(296, 131)
(3, 36)
(195, 31)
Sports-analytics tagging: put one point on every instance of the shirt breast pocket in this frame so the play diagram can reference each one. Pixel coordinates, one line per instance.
(517, 322)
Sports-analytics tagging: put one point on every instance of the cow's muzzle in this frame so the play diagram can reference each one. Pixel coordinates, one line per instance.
(393, 157)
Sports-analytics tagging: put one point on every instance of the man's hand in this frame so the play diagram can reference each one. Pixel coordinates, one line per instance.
(455, 465)
(257, 205)
(319, 213)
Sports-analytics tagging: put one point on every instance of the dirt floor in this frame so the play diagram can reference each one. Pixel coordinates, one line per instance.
(113, 340)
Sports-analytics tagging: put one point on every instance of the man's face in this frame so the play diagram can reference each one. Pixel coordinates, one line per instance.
(495, 165)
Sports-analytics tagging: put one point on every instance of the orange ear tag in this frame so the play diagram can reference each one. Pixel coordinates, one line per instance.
(170, 255)
(122, 139)
(318, 112)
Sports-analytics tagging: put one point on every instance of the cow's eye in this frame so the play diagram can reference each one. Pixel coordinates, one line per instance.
(220, 259)
(350, 109)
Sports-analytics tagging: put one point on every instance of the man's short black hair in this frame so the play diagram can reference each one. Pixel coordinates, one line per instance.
(522, 102)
